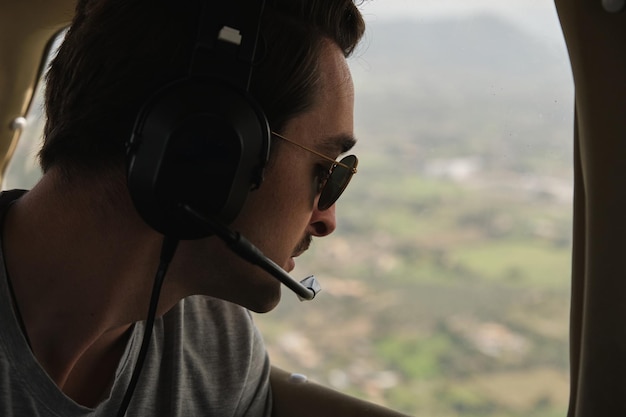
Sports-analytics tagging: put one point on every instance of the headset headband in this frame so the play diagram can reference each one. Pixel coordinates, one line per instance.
(202, 141)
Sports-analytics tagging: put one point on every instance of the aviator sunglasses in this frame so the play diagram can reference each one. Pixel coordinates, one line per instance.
(336, 180)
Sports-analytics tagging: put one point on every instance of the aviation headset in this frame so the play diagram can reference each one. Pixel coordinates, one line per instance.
(203, 141)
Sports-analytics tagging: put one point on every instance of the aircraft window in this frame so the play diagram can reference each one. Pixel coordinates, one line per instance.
(446, 284)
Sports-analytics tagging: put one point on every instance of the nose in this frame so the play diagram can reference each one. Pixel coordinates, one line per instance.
(323, 222)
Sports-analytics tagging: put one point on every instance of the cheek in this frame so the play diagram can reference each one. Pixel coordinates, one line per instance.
(290, 183)
(289, 211)
(278, 213)
(275, 203)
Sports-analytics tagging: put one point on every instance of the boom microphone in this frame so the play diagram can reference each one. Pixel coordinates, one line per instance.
(306, 289)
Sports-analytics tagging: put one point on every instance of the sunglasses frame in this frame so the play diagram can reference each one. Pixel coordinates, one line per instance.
(334, 165)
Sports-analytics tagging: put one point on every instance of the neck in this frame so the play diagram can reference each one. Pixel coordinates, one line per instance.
(80, 280)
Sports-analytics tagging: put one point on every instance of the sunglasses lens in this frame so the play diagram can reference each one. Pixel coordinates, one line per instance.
(337, 182)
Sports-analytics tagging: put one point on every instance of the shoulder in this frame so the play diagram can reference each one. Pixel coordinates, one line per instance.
(212, 325)
(215, 348)
(207, 358)
(210, 312)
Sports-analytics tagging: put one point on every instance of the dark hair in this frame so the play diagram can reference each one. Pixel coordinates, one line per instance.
(117, 53)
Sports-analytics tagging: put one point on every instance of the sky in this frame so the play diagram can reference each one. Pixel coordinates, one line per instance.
(538, 16)
(437, 7)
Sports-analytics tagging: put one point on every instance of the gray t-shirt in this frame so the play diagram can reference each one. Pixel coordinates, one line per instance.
(206, 358)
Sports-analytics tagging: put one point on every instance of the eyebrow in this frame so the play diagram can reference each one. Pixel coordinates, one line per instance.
(338, 143)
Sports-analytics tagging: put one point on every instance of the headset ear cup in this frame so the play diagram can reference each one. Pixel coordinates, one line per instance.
(197, 142)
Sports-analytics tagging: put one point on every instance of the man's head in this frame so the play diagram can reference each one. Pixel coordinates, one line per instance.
(284, 214)
(119, 52)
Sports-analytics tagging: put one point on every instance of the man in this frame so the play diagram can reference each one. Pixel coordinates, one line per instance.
(83, 249)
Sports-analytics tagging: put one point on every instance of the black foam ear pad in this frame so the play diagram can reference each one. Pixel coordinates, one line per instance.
(197, 142)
